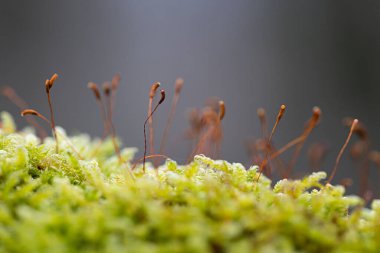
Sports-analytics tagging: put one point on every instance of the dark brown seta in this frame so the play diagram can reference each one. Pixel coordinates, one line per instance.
(162, 92)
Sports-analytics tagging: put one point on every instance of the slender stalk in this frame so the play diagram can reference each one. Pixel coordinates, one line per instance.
(354, 123)
(263, 163)
(147, 119)
(48, 85)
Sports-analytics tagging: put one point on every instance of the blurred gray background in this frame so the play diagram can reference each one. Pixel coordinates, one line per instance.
(250, 53)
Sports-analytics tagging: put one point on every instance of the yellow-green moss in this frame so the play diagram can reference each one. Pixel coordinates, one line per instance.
(59, 203)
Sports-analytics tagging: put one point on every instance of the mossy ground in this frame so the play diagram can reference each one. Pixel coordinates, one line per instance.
(60, 203)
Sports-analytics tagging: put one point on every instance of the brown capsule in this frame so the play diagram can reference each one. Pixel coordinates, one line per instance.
(115, 81)
(53, 78)
(50, 82)
(222, 110)
(95, 89)
(107, 88)
(29, 112)
(162, 97)
(47, 86)
(261, 113)
(281, 112)
(316, 114)
(360, 129)
(153, 89)
(178, 85)
(35, 113)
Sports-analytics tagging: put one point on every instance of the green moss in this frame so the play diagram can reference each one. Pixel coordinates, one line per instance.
(60, 203)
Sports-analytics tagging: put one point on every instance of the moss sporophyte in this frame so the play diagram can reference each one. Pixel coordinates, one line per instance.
(91, 195)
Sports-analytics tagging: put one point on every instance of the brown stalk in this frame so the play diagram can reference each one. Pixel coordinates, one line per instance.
(222, 110)
(48, 85)
(261, 113)
(269, 141)
(360, 151)
(162, 92)
(353, 125)
(177, 91)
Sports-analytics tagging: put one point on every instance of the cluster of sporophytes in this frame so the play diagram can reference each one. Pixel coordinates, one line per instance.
(77, 194)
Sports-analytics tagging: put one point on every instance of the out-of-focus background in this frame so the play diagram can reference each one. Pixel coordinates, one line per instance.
(249, 53)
